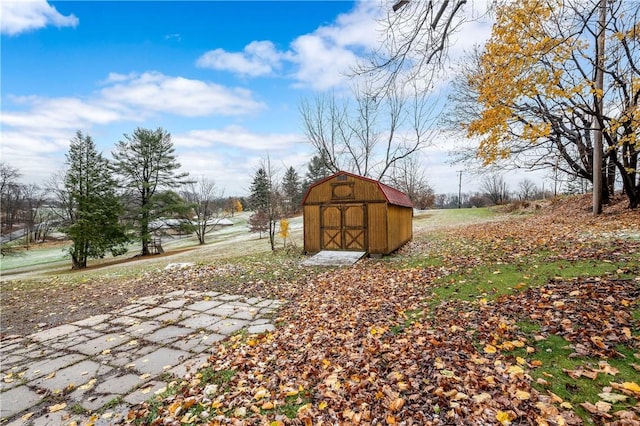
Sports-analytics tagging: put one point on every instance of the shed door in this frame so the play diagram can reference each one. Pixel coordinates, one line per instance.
(343, 227)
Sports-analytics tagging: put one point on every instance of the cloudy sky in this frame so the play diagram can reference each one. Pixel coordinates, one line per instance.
(224, 78)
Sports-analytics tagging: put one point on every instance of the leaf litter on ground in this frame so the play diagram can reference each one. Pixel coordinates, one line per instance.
(374, 344)
(371, 345)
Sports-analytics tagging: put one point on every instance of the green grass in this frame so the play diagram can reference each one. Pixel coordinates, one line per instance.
(456, 216)
(554, 352)
(291, 405)
(493, 281)
(210, 376)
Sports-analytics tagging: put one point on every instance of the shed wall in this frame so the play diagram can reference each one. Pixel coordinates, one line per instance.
(400, 226)
(311, 222)
(377, 228)
(388, 226)
(348, 190)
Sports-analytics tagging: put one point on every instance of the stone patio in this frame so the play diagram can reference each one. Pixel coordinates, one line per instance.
(106, 363)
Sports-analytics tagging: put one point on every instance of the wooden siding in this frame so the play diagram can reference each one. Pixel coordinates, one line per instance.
(347, 212)
(400, 226)
(348, 189)
(378, 228)
(311, 228)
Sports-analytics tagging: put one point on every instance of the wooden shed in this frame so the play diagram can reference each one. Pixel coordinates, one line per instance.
(350, 212)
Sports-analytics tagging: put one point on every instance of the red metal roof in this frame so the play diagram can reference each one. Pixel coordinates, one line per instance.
(392, 195)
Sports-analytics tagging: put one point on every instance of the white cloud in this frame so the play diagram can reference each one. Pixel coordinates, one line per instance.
(156, 92)
(326, 57)
(59, 113)
(238, 137)
(19, 16)
(320, 60)
(232, 155)
(39, 128)
(128, 98)
(257, 58)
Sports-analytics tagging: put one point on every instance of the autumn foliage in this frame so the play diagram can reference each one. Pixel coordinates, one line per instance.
(375, 344)
(534, 90)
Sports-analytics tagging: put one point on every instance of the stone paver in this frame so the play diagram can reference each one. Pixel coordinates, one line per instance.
(71, 377)
(159, 361)
(200, 321)
(169, 334)
(123, 356)
(16, 400)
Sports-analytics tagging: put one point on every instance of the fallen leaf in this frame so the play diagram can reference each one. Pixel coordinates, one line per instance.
(612, 397)
(490, 349)
(57, 407)
(261, 393)
(503, 418)
(631, 386)
(482, 397)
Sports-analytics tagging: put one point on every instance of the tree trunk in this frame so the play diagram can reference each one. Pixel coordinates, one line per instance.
(144, 232)
(78, 262)
(272, 234)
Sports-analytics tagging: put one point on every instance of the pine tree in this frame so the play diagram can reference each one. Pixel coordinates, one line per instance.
(147, 165)
(95, 209)
(266, 198)
(292, 191)
(316, 170)
(259, 191)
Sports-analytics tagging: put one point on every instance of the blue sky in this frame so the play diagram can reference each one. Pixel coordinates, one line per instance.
(224, 78)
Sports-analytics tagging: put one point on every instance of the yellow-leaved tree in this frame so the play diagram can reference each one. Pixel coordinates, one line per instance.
(533, 95)
(284, 230)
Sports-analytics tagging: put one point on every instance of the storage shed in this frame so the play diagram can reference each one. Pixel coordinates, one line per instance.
(350, 212)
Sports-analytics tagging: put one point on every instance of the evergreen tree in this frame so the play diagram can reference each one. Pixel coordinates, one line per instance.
(265, 198)
(316, 170)
(292, 191)
(93, 222)
(259, 191)
(147, 165)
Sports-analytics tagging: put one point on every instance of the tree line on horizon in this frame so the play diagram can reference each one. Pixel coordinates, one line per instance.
(104, 205)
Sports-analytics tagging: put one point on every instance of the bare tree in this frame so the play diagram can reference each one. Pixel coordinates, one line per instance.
(8, 176)
(527, 189)
(416, 39)
(61, 197)
(203, 198)
(409, 177)
(10, 190)
(369, 138)
(495, 188)
(32, 200)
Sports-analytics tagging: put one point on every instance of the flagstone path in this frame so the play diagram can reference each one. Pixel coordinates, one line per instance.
(107, 363)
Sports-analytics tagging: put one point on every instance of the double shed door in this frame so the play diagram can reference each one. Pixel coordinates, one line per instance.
(343, 227)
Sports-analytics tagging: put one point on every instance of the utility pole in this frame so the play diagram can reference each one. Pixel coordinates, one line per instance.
(459, 188)
(599, 104)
